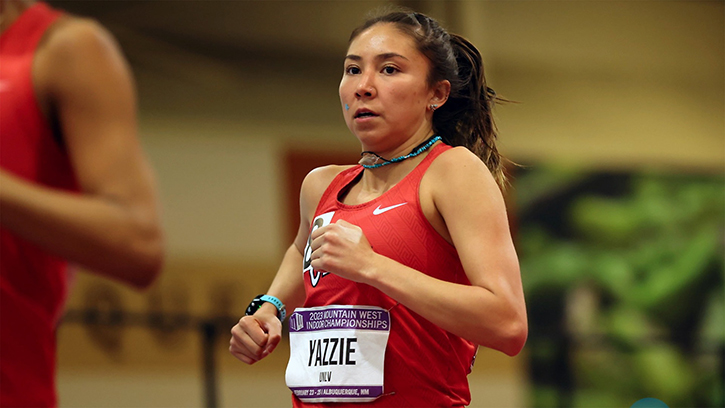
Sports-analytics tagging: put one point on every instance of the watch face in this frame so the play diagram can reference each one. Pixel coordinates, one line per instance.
(257, 303)
(253, 307)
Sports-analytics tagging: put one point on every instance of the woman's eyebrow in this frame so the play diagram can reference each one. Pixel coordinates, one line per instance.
(384, 56)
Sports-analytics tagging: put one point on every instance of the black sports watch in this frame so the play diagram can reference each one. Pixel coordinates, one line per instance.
(258, 300)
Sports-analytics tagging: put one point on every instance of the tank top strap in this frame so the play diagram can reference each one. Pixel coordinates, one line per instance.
(419, 171)
(337, 184)
(29, 27)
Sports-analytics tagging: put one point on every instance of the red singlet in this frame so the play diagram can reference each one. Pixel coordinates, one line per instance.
(32, 282)
(424, 364)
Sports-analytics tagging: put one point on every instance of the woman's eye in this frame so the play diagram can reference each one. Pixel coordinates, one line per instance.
(389, 70)
(352, 70)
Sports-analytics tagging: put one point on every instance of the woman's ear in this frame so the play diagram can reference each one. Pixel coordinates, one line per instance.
(441, 90)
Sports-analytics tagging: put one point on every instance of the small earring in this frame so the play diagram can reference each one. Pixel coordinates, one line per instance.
(433, 107)
(347, 107)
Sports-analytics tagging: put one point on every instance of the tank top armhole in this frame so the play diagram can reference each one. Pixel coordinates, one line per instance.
(339, 181)
(423, 169)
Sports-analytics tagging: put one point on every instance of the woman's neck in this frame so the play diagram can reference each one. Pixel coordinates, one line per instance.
(402, 149)
(374, 183)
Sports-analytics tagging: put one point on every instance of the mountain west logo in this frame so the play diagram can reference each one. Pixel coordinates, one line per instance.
(320, 221)
(296, 322)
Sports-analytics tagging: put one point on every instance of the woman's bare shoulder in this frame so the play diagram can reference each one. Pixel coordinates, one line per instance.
(317, 181)
(459, 161)
(459, 172)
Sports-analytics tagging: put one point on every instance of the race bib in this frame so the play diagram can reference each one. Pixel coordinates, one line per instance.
(337, 353)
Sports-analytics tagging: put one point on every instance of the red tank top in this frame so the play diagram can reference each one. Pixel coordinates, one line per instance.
(32, 282)
(424, 364)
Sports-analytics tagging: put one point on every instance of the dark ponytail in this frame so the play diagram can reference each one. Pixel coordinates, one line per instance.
(466, 119)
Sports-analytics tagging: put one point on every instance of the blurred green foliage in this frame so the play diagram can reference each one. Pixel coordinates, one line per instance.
(623, 275)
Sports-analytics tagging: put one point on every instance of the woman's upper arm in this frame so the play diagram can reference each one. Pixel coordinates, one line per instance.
(89, 88)
(473, 209)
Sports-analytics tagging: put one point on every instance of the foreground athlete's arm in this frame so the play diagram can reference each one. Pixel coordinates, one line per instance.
(471, 214)
(256, 336)
(112, 227)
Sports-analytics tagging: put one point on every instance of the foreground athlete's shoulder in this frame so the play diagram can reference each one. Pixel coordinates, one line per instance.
(72, 34)
(77, 47)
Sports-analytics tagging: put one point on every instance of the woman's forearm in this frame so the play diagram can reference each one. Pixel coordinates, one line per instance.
(475, 313)
(114, 238)
(288, 284)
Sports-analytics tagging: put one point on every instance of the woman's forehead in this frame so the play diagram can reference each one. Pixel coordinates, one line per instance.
(383, 38)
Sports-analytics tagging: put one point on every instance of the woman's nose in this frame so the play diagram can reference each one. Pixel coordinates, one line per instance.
(366, 87)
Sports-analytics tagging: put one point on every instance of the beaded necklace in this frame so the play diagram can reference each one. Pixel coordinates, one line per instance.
(372, 160)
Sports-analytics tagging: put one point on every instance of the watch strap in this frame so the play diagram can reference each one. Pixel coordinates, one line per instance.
(257, 302)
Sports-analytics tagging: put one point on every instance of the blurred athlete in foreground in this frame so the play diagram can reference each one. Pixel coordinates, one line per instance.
(74, 184)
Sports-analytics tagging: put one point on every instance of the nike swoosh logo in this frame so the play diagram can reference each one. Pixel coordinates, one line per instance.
(379, 210)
